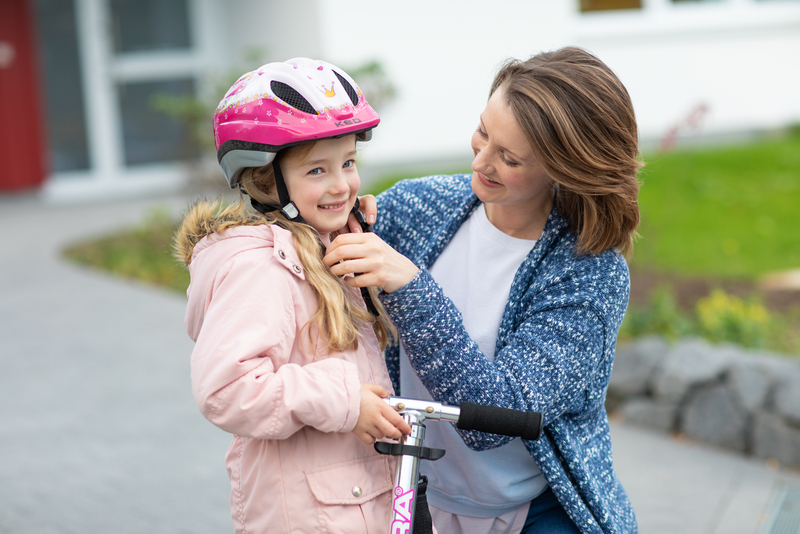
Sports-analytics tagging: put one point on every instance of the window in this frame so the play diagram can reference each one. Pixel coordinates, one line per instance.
(150, 136)
(63, 87)
(153, 58)
(147, 25)
(606, 5)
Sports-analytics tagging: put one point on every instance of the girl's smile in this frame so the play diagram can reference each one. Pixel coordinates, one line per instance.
(333, 207)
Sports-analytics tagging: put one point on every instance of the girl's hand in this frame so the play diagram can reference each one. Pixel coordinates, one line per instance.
(379, 264)
(377, 419)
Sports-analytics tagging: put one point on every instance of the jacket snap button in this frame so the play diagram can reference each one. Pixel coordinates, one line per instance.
(282, 254)
(296, 268)
(356, 491)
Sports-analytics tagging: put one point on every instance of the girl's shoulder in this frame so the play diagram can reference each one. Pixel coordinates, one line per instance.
(258, 236)
(207, 223)
(250, 243)
(243, 265)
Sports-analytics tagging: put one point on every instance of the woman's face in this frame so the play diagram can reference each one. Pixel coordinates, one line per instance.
(505, 170)
(324, 186)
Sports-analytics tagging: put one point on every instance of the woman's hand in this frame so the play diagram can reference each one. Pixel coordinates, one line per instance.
(369, 207)
(377, 419)
(379, 264)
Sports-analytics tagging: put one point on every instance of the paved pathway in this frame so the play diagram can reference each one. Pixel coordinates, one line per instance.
(99, 432)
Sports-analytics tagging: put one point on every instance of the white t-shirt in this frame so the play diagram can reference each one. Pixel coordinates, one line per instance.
(476, 271)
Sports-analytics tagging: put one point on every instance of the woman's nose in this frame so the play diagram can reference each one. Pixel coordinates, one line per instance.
(480, 163)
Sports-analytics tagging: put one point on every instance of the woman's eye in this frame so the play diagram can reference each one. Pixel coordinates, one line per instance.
(482, 133)
(507, 161)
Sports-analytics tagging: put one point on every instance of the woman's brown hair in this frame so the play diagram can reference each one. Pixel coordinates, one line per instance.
(579, 120)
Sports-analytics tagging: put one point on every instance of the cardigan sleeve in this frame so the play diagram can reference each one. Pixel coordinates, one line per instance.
(544, 366)
(386, 225)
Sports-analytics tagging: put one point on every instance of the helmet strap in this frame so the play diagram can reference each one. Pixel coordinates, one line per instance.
(266, 208)
(263, 208)
(288, 207)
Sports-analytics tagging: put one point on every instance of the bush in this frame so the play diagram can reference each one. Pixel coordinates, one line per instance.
(661, 317)
(722, 317)
(143, 253)
(719, 318)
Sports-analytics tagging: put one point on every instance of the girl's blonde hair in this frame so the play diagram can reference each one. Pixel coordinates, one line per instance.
(339, 313)
(579, 121)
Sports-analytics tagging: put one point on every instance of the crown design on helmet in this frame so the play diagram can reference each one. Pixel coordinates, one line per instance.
(269, 109)
(329, 92)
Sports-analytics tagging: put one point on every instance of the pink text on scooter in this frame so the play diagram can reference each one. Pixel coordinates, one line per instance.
(403, 503)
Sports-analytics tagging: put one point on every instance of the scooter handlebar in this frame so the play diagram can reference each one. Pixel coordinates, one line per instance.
(502, 421)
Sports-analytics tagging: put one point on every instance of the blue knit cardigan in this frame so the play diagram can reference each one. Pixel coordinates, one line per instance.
(554, 352)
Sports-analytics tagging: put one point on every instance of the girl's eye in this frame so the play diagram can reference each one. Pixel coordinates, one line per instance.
(349, 163)
(318, 170)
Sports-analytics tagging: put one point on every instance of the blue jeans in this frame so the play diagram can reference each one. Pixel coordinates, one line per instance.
(546, 515)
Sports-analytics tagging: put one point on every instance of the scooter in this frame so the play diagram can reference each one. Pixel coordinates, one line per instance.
(405, 518)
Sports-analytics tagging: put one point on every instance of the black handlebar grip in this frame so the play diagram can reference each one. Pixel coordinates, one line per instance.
(502, 421)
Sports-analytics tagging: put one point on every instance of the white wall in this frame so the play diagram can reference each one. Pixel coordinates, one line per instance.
(276, 30)
(442, 56)
(739, 57)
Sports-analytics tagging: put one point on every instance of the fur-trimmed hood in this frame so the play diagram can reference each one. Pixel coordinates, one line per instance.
(205, 218)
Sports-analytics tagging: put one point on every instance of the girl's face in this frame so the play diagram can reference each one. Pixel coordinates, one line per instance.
(324, 185)
(505, 170)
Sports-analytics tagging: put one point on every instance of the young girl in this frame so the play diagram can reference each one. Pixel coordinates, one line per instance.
(288, 356)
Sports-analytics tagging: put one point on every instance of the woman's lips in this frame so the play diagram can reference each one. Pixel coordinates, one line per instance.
(486, 182)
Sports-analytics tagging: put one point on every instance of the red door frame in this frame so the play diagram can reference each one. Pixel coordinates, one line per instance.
(22, 144)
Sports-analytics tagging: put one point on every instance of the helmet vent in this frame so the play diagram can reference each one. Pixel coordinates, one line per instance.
(291, 97)
(351, 92)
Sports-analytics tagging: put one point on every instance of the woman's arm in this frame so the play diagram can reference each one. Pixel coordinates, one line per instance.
(544, 366)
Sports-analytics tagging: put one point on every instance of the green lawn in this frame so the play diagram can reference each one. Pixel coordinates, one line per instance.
(731, 211)
(143, 253)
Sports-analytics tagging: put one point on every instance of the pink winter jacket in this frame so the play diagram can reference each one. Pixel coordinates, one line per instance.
(294, 464)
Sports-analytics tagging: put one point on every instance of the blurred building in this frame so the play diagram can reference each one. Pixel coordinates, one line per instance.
(78, 78)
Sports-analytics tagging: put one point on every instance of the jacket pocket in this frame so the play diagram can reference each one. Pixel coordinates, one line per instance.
(353, 496)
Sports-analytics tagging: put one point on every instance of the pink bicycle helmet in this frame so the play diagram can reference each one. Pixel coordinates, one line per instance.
(283, 104)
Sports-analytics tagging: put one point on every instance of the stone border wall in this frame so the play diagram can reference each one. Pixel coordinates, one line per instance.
(721, 394)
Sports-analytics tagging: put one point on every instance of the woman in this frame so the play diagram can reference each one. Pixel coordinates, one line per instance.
(508, 288)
